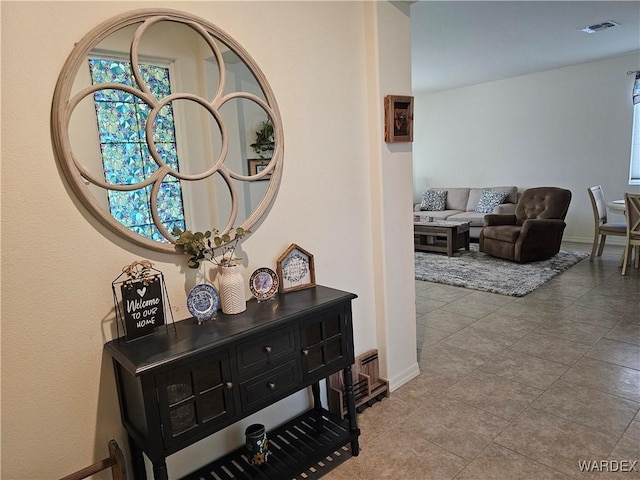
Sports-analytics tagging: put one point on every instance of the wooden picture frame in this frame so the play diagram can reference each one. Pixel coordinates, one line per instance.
(256, 165)
(296, 269)
(398, 118)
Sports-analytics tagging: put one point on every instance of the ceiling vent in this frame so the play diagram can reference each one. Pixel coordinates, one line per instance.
(598, 27)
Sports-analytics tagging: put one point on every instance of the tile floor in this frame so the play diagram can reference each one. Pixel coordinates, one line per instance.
(515, 388)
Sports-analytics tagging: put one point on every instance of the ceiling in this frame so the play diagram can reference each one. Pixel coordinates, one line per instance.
(461, 43)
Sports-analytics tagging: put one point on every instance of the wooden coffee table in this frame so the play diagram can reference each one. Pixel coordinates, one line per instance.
(441, 236)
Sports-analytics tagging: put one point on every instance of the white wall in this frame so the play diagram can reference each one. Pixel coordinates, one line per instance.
(569, 127)
(59, 405)
(392, 231)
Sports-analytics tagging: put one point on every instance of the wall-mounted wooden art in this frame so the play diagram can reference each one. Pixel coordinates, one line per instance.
(398, 119)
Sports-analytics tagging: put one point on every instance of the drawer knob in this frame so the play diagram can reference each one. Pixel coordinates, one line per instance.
(268, 350)
(271, 385)
(305, 352)
(229, 385)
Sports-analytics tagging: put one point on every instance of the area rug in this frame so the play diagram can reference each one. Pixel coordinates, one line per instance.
(480, 271)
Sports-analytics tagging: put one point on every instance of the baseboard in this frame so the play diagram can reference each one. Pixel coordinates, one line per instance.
(403, 377)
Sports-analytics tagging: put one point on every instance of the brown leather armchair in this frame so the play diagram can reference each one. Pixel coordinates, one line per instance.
(534, 232)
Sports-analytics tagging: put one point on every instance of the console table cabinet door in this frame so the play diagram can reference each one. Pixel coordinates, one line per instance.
(194, 398)
(325, 342)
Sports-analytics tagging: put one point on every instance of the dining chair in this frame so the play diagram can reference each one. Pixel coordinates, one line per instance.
(602, 227)
(632, 212)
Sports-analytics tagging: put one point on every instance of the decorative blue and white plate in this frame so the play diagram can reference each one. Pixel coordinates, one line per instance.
(263, 283)
(203, 301)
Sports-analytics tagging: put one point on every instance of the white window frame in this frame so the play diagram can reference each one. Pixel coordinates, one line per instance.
(634, 164)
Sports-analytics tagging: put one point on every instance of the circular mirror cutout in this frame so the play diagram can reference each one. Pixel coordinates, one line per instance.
(160, 120)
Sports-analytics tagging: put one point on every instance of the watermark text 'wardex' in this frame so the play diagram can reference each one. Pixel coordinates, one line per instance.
(608, 465)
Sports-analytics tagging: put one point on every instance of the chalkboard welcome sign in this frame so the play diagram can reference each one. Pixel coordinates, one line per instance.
(139, 296)
(143, 307)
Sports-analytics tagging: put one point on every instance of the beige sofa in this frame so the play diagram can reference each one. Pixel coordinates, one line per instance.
(461, 204)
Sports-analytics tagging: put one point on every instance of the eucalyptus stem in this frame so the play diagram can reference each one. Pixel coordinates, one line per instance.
(203, 246)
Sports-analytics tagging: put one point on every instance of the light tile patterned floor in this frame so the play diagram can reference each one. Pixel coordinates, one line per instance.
(515, 388)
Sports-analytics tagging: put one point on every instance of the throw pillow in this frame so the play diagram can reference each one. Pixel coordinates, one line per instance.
(490, 199)
(433, 200)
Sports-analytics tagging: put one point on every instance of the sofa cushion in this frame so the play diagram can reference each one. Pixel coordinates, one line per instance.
(456, 198)
(476, 193)
(433, 200)
(474, 198)
(443, 215)
(475, 219)
(489, 200)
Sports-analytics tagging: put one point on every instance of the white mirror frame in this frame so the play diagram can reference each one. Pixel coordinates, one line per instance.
(63, 105)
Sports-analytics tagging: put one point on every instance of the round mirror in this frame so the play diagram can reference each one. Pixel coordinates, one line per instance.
(160, 121)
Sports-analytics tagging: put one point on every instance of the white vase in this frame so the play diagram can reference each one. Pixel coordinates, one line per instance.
(232, 297)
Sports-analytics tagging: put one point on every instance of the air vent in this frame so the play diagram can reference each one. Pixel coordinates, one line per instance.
(598, 27)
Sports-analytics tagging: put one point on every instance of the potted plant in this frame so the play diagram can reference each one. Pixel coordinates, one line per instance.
(220, 250)
(264, 143)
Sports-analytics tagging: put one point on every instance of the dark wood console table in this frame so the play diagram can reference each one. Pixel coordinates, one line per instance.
(179, 386)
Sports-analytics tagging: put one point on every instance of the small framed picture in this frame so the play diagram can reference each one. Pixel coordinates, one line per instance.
(296, 269)
(257, 165)
(398, 119)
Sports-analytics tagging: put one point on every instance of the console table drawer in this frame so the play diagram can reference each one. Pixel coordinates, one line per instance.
(266, 388)
(273, 349)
